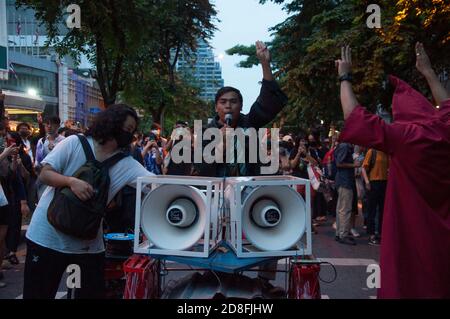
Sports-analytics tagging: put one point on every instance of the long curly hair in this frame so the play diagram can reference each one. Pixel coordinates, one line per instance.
(109, 122)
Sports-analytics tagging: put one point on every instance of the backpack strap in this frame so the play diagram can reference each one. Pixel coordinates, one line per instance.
(86, 148)
(113, 160)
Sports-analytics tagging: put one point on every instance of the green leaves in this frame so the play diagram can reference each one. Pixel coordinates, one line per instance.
(308, 42)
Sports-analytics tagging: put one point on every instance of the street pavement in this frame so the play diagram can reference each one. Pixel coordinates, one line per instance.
(350, 263)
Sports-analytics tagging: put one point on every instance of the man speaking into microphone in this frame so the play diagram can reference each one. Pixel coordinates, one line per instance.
(228, 101)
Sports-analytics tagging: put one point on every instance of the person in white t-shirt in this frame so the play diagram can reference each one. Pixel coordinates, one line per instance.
(50, 252)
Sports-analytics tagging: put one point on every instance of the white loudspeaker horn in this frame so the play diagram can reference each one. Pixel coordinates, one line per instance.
(179, 216)
(274, 217)
(174, 216)
(268, 217)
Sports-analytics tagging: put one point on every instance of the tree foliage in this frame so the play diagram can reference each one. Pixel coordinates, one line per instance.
(129, 41)
(308, 42)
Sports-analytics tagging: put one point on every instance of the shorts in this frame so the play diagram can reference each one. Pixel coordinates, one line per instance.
(4, 215)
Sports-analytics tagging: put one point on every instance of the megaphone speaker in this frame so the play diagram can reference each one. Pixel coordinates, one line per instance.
(173, 217)
(274, 218)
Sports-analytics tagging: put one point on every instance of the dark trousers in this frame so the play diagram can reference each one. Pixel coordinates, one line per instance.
(377, 195)
(319, 206)
(14, 228)
(45, 267)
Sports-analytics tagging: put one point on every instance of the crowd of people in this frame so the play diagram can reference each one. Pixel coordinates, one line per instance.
(345, 178)
(29, 166)
(22, 152)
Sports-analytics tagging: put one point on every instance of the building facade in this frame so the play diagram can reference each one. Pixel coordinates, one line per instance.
(201, 69)
(38, 80)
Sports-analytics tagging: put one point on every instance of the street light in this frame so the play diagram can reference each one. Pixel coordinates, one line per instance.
(32, 92)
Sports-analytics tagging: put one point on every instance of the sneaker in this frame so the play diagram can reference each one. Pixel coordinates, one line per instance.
(374, 241)
(354, 233)
(347, 241)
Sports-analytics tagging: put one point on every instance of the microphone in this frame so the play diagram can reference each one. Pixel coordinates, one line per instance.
(228, 119)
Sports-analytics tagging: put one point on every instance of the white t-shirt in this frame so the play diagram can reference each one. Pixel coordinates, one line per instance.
(67, 157)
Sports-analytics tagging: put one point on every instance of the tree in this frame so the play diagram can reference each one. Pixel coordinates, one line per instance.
(115, 33)
(307, 43)
(176, 26)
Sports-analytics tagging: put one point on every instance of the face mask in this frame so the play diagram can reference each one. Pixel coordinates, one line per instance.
(24, 134)
(156, 132)
(124, 139)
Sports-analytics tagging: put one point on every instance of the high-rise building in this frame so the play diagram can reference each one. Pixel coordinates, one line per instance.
(28, 36)
(201, 68)
(34, 68)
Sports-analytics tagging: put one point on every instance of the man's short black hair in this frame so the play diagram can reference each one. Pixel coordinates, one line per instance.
(226, 90)
(23, 124)
(155, 126)
(52, 119)
(110, 121)
(182, 123)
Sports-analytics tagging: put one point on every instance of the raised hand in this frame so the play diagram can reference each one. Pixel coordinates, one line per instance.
(11, 150)
(344, 64)
(423, 63)
(262, 53)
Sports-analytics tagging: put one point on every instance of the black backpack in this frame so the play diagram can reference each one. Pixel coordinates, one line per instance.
(68, 214)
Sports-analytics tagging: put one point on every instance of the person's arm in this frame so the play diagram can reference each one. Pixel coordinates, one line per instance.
(365, 178)
(348, 165)
(423, 64)
(81, 189)
(263, 55)
(348, 98)
(158, 157)
(145, 149)
(271, 99)
(11, 150)
(20, 192)
(362, 127)
(311, 160)
(296, 160)
(340, 155)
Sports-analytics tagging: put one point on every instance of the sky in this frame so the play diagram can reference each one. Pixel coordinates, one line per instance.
(243, 22)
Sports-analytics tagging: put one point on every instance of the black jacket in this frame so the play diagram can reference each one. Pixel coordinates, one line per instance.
(269, 103)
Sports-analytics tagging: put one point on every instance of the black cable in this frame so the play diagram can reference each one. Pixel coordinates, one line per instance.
(335, 272)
